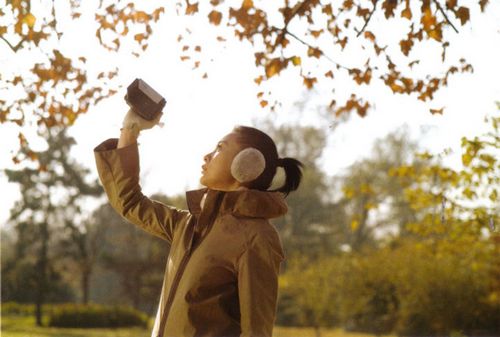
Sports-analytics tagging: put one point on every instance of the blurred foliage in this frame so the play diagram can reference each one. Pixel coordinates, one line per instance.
(94, 315)
(441, 277)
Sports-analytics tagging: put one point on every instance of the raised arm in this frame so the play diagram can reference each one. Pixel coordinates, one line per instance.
(117, 162)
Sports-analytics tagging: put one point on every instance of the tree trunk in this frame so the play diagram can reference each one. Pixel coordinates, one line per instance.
(317, 330)
(85, 284)
(42, 273)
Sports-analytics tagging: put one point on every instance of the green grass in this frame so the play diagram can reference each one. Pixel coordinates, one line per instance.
(22, 326)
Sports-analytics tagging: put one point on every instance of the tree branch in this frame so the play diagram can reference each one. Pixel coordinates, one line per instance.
(14, 48)
(322, 53)
(445, 16)
(369, 18)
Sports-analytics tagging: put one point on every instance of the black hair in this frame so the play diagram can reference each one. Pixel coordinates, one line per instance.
(252, 137)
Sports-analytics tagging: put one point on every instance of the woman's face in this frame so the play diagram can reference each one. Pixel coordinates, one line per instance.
(216, 170)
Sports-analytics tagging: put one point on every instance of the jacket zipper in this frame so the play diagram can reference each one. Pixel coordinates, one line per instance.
(182, 266)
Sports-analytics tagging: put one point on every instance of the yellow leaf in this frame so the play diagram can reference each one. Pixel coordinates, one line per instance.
(494, 195)
(274, 67)
(29, 19)
(296, 61)
(263, 103)
(354, 225)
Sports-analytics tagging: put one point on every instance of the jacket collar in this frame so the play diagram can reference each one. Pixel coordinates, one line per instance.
(246, 203)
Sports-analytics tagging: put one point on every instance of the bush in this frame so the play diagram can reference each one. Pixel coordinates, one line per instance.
(95, 316)
(17, 309)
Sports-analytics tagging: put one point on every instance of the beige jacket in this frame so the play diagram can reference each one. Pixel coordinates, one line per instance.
(221, 277)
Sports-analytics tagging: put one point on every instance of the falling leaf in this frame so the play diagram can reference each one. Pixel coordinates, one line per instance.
(309, 82)
(215, 17)
(263, 103)
(260, 94)
(185, 58)
(258, 80)
(197, 48)
(191, 8)
(463, 14)
(437, 111)
(369, 35)
(329, 74)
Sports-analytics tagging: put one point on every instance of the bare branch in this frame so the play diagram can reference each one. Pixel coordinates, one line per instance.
(14, 48)
(369, 18)
(316, 48)
(445, 16)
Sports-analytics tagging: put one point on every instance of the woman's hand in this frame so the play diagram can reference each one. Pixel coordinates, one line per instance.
(135, 122)
(132, 125)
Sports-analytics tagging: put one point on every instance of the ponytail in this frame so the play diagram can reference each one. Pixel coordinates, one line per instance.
(293, 174)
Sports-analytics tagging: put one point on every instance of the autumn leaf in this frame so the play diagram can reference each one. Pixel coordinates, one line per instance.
(315, 52)
(309, 82)
(215, 17)
(406, 46)
(296, 61)
(316, 33)
(29, 20)
(406, 13)
(329, 74)
(191, 8)
(247, 4)
(258, 80)
(463, 14)
(274, 67)
(437, 111)
(369, 35)
(263, 103)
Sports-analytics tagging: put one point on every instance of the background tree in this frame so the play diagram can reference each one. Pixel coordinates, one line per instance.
(136, 257)
(50, 198)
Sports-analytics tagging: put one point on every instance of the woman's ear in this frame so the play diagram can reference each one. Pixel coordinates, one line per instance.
(248, 165)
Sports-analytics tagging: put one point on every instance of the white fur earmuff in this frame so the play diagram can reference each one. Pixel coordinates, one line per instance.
(248, 165)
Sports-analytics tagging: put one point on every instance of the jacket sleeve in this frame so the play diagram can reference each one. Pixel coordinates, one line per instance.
(119, 174)
(258, 269)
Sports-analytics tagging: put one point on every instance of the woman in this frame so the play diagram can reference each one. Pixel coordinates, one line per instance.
(221, 277)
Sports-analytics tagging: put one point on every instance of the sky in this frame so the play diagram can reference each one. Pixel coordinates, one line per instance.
(201, 111)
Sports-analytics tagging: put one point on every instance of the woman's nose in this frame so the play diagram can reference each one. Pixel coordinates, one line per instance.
(207, 157)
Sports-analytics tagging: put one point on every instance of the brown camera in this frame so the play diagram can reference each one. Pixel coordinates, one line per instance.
(144, 100)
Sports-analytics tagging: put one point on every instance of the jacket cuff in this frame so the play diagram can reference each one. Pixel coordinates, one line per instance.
(123, 161)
